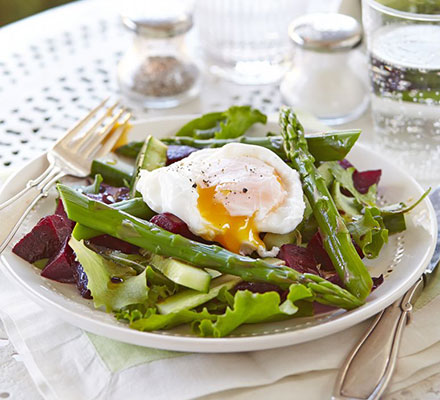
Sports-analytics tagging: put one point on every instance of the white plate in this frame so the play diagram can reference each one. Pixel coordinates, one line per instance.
(401, 262)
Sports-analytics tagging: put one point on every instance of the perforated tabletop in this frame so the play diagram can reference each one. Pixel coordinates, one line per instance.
(56, 66)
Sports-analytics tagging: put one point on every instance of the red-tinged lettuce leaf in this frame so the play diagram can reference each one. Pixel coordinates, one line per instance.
(369, 232)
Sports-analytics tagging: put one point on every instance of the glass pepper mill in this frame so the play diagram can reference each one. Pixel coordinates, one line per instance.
(328, 77)
(156, 70)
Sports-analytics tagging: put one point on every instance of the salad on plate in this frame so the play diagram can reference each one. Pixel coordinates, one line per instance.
(216, 229)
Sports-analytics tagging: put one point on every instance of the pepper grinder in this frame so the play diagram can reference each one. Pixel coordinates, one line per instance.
(328, 77)
(157, 70)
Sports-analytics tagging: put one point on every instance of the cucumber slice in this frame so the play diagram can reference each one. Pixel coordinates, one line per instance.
(277, 240)
(182, 274)
(188, 298)
(152, 155)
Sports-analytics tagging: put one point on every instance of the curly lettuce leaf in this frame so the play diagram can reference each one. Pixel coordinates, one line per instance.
(243, 307)
(233, 122)
(369, 232)
(250, 308)
(107, 293)
(149, 320)
(345, 179)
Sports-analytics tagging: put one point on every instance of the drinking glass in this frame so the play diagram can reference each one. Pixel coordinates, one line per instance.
(403, 42)
(246, 41)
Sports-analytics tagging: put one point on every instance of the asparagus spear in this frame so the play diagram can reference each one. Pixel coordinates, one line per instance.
(136, 207)
(336, 238)
(327, 146)
(150, 237)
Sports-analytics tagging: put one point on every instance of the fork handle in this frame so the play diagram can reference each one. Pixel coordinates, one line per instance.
(14, 211)
(368, 368)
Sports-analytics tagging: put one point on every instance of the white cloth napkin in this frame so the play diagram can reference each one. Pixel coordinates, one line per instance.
(67, 363)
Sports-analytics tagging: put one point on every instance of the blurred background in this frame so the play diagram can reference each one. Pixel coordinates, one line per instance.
(13, 10)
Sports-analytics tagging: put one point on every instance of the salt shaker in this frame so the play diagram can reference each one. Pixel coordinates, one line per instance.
(328, 78)
(156, 70)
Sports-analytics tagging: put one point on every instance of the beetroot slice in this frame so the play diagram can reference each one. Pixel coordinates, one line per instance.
(60, 267)
(177, 152)
(363, 180)
(111, 242)
(174, 224)
(44, 240)
(316, 247)
(298, 258)
(62, 213)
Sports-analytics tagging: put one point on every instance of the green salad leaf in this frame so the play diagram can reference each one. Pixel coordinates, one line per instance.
(229, 124)
(106, 291)
(238, 120)
(202, 127)
(147, 319)
(394, 214)
(243, 307)
(345, 179)
(253, 308)
(95, 186)
(369, 232)
(349, 206)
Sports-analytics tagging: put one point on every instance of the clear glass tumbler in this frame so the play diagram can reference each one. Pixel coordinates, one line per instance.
(246, 41)
(403, 41)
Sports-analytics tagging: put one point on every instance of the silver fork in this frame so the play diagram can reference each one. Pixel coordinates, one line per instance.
(71, 155)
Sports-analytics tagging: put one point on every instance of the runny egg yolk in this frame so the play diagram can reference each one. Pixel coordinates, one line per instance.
(235, 230)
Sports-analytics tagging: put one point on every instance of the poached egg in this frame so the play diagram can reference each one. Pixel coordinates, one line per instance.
(229, 195)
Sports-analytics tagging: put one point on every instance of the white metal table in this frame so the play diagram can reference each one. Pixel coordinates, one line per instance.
(53, 68)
